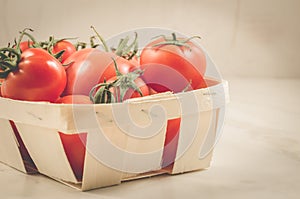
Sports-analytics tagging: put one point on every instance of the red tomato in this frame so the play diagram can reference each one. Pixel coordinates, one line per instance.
(131, 93)
(74, 99)
(211, 82)
(1, 80)
(170, 67)
(65, 45)
(171, 141)
(135, 61)
(152, 92)
(89, 67)
(38, 77)
(74, 146)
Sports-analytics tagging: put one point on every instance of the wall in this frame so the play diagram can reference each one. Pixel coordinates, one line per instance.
(244, 37)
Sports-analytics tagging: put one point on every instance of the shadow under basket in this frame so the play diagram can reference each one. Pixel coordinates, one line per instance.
(91, 146)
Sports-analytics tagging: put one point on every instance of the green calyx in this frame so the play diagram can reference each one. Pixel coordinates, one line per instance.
(174, 41)
(9, 60)
(49, 45)
(103, 95)
(11, 56)
(124, 49)
(119, 86)
(30, 38)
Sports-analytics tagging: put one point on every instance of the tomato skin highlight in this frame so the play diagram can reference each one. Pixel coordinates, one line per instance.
(65, 45)
(172, 68)
(39, 77)
(88, 67)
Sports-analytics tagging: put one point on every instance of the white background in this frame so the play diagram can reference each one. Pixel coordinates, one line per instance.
(245, 37)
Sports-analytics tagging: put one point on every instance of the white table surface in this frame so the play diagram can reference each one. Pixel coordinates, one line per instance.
(258, 155)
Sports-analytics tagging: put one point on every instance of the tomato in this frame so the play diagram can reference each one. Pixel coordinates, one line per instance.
(171, 141)
(37, 77)
(135, 61)
(173, 65)
(75, 147)
(65, 45)
(152, 92)
(74, 99)
(1, 80)
(88, 67)
(130, 93)
(24, 45)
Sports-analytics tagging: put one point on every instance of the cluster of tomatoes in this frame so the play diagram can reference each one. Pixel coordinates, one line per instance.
(59, 71)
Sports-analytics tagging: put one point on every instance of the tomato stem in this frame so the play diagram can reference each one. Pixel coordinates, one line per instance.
(174, 36)
(102, 95)
(80, 45)
(175, 41)
(118, 73)
(127, 51)
(92, 42)
(22, 33)
(120, 86)
(101, 39)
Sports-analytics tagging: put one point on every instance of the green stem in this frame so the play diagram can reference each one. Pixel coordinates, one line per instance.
(92, 42)
(127, 51)
(193, 37)
(118, 73)
(101, 39)
(122, 45)
(22, 35)
(80, 45)
(175, 41)
(174, 36)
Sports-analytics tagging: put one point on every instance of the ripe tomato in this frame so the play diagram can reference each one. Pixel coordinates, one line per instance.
(75, 147)
(88, 67)
(172, 65)
(74, 99)
(65, 45)
(171, 142)
(37, 77)
(1, 80)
